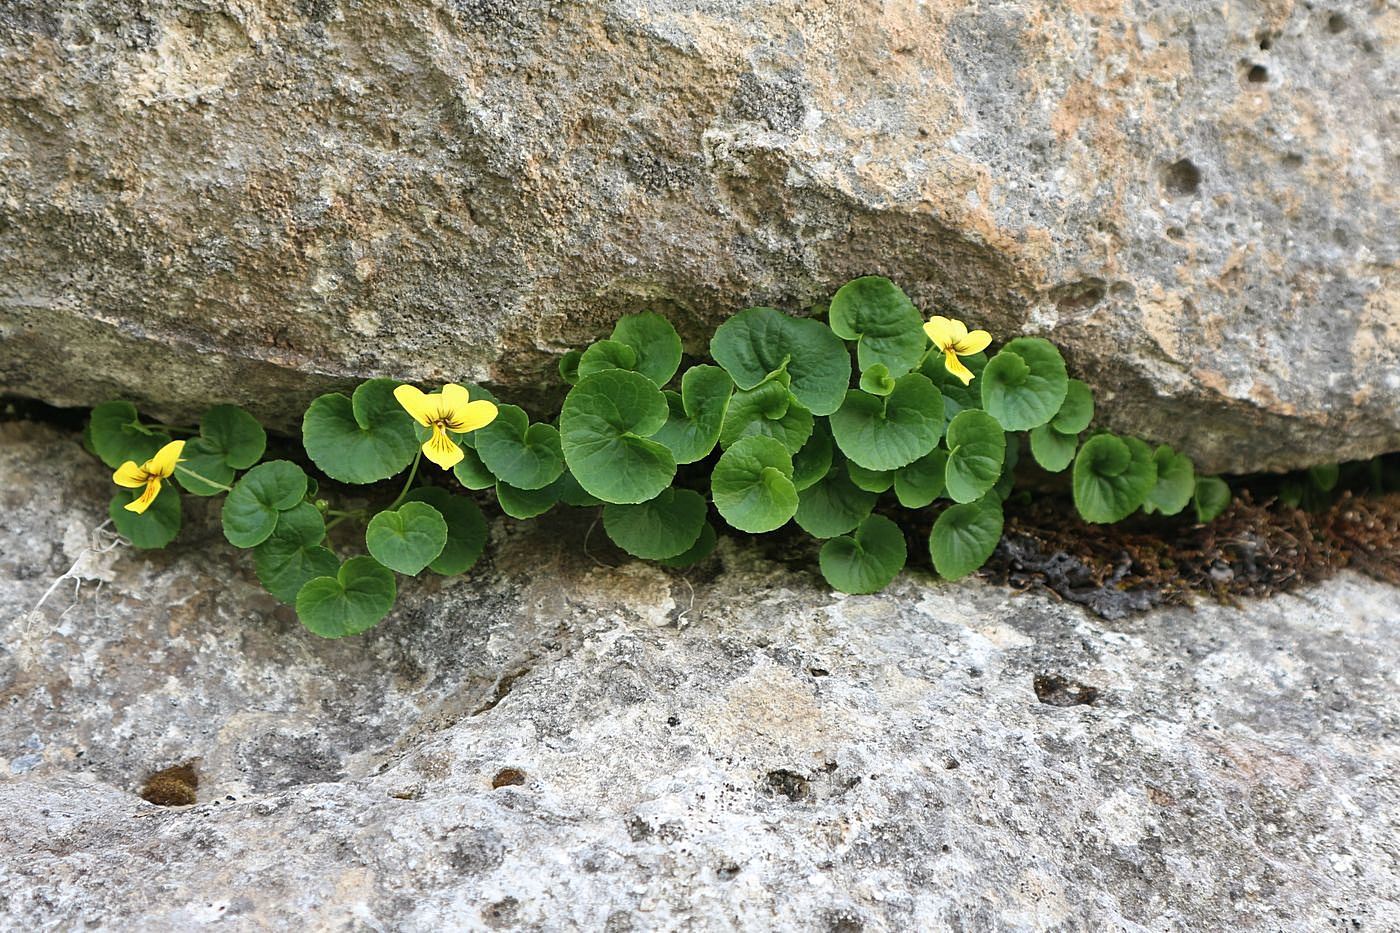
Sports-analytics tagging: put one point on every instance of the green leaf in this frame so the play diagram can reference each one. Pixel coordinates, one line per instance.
(527, 503)
(1007, 481)
(922, 481)
(202, 457)
(696, 414)
(361, 439)
(666, 526)
(359, 595)
(868, 560)
(754, 343)
(293, 555)
(1112, 477)
(528, 456)
(813, 461)
(604, 355)
(466, 529)
(655, 343)
(568, 366)
(154, 528)
(767, 410)
(118, 435)
(408, 538)
(964, 536)
(701, 549)
(1051, 449)
(891, 432)
(870, 480)
(888, 329)
(1176, 482)
(1025, 384)
(604, 427)
(1076, 411)
(976, 452)
(1212, 496)
(877, 380)
(571, 493)
(471, 472)
(752, 485)
(1324, 476)
(235, 434)
(251, 510)
(834, 505)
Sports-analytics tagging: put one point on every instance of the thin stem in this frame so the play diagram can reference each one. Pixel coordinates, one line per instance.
(408, 484)
(203, 479)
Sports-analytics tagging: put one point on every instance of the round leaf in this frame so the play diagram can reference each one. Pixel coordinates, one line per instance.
(696, 414)
(235, 434)
(877, 380)
(604, 355)
(154, 528)
(1076, 411)
(1212, 496)
(568, 366)
(527, 503)
(466, 529)
(604, 428)
(1176, 482)
(834, 505)
(1052, 450)
(360, 594)
(361, 439)
(888, 329)
(812, 462)
(976, 452)
(663, 527)
(870, 480)
(1025, 384)
(654, 341)
(890, 432)
(701, 549)
(471, 472)
(964, 536)
(408, 538)
(292, 555)
(868, 560)
(118, 435)
(768, 410)
(201, 456)
(1112, 477)
(528, 456)
(755, 343)
(251, 510)
(752, 485)
(922, 481)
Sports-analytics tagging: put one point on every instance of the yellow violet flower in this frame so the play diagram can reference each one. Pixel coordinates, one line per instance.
(148, 474)
(449, 410)
(953, 339)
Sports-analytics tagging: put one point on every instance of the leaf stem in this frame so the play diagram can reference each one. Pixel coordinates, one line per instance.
(408, 484)
(203, 479)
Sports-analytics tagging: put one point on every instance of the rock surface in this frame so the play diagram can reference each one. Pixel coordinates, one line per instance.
(554, 743)
(254, 200)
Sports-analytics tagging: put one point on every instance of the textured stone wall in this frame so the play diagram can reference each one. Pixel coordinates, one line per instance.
(252, 200)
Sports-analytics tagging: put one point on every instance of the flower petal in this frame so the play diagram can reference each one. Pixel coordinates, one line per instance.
(975, 342)
(163, 463)
(475, 415)
(956, 367)
(420, 406)
(442, 450)
(129, 475)
(454, 399)
(143, 502)
(944, 332)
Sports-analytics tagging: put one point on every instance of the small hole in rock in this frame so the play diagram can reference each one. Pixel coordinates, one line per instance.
(172, 787)
(1258, 74)
(790, 784)
(1054, 690)
(507, 777)
(818, 671)
(673, 720)
(1266, 42)
(951, 764)
(1336, 23)
(1182, 177)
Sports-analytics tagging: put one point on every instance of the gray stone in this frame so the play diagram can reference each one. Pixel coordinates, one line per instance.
(257, 200)
(732, 748)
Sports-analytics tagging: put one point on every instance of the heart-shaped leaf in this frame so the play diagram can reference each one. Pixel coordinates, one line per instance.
(604, 355)
(696, 414)
(1212, 496)
(976, 452)
(1076, 411)
(767, 410)
(866, 561)
(360, 594)
(361, 439)
(471, 472)
(1025, 384)
(528, 503)
(701, 549)
(752, 485)
(571, 493)
(466, 529)
(1176, 482)
(755, 343)
(922, 481)
(1112, 477)
(293, 554)
(604, 428)
(655, 343)
(812, 462)
(118, 435)
(252, 508)
(154, 528)
(833, 505)
(666, 526)
(201, 460)
(890, 432)
(964, 536)
(870, 480)
(528, 456)
(886, 326)
(408, 538)
(1052, 450)
(877, 380)
(229, 439)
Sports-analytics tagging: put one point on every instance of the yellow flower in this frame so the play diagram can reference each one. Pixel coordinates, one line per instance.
(148, 474)
(449, 410)
(952, 338)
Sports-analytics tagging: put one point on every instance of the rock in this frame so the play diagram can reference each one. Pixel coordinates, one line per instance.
(553, 742)
(256, 201)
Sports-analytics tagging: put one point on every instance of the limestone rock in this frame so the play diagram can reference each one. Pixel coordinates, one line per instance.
(255, 200)
(551, 743)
